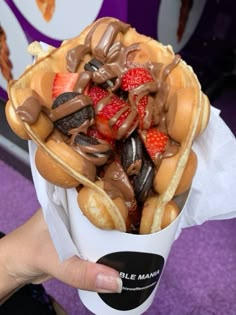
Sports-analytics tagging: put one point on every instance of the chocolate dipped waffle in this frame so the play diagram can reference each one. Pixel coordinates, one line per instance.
(114, 113)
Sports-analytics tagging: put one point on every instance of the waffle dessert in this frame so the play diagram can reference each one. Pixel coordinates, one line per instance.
(114, 114)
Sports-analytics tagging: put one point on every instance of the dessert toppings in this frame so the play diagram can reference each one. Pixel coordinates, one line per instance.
(113, 114)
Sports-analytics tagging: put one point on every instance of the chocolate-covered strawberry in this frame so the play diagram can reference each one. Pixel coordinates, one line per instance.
(132, 155)
(115, 118)
(155, 142)
(72, 113)
(138, 83)
(134, 78)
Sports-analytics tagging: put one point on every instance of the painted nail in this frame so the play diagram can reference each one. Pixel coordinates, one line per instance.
(108, 284)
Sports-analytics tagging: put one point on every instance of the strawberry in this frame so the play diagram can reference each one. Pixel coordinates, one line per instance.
(112, 116)
(144, 120)
(63, 82)
(97, 94)
(135, 77)
(111, 113)
(94, 133)
(155, 142)
(107, 113)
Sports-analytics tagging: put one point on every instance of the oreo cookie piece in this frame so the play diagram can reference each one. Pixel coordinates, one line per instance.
(132, 155)
(92, 149)
(85, 140)
(94, 65)
(77, 118)
(63, 97)
(142, 182)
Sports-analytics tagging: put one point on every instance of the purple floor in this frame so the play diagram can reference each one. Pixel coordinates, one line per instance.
(200, 275)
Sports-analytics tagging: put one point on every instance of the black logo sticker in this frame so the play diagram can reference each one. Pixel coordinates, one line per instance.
(140, 273)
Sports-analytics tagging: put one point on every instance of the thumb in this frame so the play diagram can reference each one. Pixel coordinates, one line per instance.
(90, 276)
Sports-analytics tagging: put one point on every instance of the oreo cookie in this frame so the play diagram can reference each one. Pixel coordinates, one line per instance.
(94, 65)
(132, 155)
(75, 119)
(92, 148)
(142, 182)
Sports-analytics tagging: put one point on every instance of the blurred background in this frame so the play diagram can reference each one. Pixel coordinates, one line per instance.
(203, 32)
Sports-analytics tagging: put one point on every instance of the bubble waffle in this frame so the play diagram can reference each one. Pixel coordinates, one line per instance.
(137, 88)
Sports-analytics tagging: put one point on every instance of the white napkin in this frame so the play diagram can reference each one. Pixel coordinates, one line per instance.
(214, 185)
(212, 196)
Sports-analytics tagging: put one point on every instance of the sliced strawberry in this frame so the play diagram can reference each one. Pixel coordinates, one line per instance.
(94, 133)
(145, 121)
(155, 142)
(112, 116)
(64, 82)
(135, 77)
(103, 118)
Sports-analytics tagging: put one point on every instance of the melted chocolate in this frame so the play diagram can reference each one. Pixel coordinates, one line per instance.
(114, 58)
(69, 107)
(116, 183)
(30, 110)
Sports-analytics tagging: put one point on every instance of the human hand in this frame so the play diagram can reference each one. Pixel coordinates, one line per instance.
(27, 255)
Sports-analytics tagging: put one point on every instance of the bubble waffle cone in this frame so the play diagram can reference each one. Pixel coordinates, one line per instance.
(112, 39)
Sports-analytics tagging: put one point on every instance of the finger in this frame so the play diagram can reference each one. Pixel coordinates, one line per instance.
(37, 259)
(74, 271)
(88, 276)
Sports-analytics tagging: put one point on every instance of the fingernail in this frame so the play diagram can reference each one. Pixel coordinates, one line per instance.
(108, 284)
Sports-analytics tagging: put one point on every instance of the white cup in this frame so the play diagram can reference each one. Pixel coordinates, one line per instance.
(140, 259)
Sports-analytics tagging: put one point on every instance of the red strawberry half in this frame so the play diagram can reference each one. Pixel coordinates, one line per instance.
(135, 77)
(63, 82)
(94, 133)
(155, 142)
